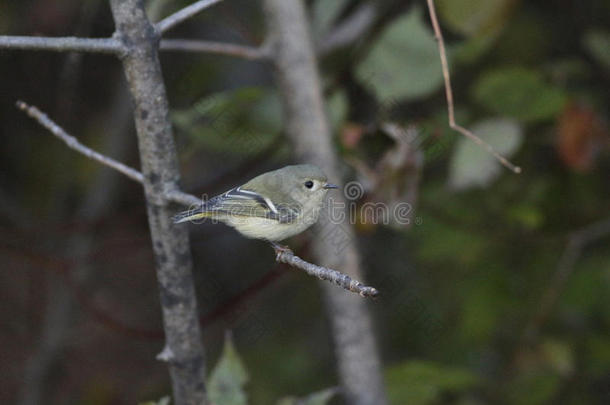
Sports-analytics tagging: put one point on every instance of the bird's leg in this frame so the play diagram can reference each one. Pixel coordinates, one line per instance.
(279, 249)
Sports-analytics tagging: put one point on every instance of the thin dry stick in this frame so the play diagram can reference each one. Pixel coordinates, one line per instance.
(449, 93)
(184, 14)
(193, 45)
(283, 256)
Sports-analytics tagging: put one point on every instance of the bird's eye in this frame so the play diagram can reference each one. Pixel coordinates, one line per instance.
(309, 184)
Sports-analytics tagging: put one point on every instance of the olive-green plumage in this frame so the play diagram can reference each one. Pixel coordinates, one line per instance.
(273, 206)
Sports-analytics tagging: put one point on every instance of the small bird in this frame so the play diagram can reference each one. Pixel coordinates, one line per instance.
(273, 206)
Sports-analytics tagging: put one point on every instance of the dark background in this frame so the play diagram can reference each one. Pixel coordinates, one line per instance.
(497, 292)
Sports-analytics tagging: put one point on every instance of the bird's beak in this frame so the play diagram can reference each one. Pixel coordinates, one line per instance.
(329, 185)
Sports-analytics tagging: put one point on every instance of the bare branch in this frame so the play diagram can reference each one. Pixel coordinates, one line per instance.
(285, 255)
(576, 243)
(113, 46)
(73, 143)
(183, 198)
(352, 28)
(63, 44)
(449, 95)
(190, 45)
(171, 21)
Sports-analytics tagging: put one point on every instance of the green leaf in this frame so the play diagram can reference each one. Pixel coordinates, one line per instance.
(519, 93)
(227, 380)
(404, 62)
(475, 17)
(233, 123)
(443, 244)
(473, 166)
(470, 51)
(422, 382)
(317, 398)
(529, 216)
(559, 356)
(597, 354)
(163, 401)
(597, 42)
(533, 388)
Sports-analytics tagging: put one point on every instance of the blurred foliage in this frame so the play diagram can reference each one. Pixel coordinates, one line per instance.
(389, 73)
(226, 384)
(471, 165)
(422, 382)
(460, 284)
(518, 93)
(597, 42)
(317, 398)
(231, 123)
(228, 378)
(475, 17)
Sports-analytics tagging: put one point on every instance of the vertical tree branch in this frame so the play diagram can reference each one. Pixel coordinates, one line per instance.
(292, 50)
(184, 349)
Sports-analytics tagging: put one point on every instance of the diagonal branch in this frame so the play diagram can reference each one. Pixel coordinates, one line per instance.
(43, 119)
(577, 241)
(449, 94)
(63, 44)
(193, 45)
(179, 16)
(180, 197)
(349, 30)
(73, 143)
(285, 255)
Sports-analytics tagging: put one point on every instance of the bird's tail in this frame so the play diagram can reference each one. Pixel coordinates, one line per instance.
(191, 215)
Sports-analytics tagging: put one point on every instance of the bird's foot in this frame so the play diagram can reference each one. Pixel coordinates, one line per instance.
(280, 249)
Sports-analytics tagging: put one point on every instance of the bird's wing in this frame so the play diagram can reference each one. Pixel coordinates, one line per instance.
(247, 203)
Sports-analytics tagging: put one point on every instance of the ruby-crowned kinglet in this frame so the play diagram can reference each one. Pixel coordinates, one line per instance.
(273, 206)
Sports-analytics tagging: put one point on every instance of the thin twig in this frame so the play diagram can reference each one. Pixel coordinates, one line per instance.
(183, 198)
(449, 93)
(191, 45)
(64, 44)
(73, 143)
(576, 243)
(285, 255)
(184, 14)
(352, 28)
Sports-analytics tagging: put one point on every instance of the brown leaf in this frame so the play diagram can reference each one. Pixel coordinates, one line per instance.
(580, 134)
(351, 133)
